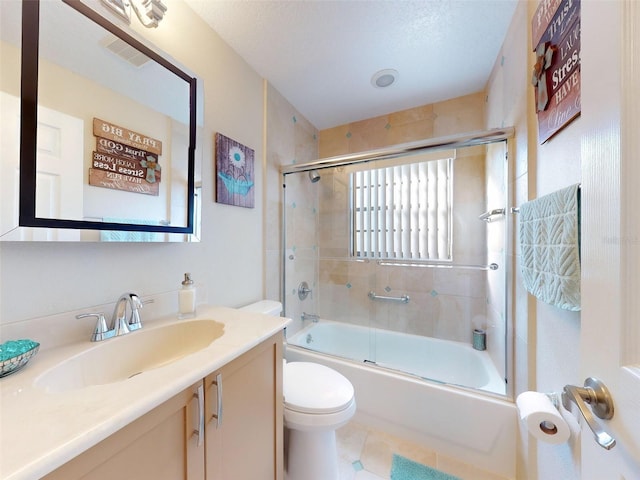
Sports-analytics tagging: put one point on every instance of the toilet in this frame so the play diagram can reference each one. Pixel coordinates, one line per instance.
(317, 401)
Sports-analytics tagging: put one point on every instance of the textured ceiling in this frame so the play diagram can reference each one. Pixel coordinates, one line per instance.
(321, 55)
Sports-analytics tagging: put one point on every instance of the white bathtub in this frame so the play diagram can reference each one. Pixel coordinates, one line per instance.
(444, 361)
(472, 427)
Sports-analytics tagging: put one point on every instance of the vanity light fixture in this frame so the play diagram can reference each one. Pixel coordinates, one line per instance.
(384, 78)
(149, 12)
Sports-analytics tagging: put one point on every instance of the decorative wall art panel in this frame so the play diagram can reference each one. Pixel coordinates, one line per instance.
(234, 173)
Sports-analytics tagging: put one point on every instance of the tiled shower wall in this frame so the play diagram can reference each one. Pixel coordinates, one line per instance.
(445, 303)
(290, 139)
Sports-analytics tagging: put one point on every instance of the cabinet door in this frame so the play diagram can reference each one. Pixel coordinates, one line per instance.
(161, 445)
(244, 433)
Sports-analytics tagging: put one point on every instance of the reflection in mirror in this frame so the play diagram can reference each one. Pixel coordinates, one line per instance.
(108, 129)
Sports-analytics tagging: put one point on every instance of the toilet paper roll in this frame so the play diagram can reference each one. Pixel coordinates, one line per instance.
(542, 418)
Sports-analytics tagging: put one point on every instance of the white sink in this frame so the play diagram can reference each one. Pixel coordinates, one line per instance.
(121, 358)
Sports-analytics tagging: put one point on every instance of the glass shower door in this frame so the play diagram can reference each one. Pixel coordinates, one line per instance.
(399, 264)
(334, 317)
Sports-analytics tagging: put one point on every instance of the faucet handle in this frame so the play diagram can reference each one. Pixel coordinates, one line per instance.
(101, 332)
(135, 322)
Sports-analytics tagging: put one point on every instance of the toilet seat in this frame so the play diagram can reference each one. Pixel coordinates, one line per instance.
(315, 389)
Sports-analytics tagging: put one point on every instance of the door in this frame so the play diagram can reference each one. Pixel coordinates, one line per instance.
(9, 161)
(244, 412)
(610, 335)
(59, 175)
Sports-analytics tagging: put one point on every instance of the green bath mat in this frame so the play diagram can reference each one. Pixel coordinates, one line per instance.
(404, 469)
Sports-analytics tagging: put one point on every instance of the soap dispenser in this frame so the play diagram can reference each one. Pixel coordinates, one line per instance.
(187, 298)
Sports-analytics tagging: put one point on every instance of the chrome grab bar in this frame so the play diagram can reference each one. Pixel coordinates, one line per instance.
(385, 263)
(486, 216)
(402, 299)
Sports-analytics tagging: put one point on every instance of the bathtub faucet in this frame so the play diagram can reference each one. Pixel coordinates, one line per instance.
(310, 316)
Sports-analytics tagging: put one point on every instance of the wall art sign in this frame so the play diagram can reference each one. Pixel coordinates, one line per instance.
(234, 173)
(118, 181)
(556, 73)
(125, 160)
(110, 131)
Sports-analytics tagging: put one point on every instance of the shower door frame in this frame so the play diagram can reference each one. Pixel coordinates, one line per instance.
(449, 142)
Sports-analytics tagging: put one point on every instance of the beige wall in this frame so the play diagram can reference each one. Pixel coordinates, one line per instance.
(458, 115)
(290, 139)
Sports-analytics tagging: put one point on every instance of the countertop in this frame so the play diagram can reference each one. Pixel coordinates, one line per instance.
(40, 431)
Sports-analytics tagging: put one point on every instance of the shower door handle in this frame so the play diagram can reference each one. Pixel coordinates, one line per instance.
(488, 216)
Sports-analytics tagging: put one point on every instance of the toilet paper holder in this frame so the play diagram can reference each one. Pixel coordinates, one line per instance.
(597, 396)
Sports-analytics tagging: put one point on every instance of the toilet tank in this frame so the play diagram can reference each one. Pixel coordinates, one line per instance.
(266, 307)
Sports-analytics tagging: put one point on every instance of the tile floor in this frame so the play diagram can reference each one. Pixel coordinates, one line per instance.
(365, 454)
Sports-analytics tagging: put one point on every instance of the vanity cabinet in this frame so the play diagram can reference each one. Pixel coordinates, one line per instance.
(161, 445)
(242, 438)
(244, 431)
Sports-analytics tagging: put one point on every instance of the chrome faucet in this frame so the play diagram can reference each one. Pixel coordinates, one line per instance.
(310, 316)
(119, 321)
(120, 325)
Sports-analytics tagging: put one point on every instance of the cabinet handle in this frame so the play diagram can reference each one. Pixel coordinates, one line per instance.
(200, 396)
(218, 415)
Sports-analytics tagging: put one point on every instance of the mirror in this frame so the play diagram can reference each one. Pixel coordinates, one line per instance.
(107, 128)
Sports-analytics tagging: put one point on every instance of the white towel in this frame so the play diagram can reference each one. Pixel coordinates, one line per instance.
(129, 236)
(550, 247)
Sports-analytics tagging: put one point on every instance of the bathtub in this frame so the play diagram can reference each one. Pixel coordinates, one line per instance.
(470, 426)
(443, 361)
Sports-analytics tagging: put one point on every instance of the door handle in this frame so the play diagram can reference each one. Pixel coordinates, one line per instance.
(218, 415)
(200, 397)
(597, 396)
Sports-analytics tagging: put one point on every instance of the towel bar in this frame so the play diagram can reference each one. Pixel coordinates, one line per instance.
(517, 209)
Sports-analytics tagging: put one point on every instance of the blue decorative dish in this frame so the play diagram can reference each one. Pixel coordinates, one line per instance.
(15, 354)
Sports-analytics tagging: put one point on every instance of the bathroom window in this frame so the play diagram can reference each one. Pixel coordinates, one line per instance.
(403, 212)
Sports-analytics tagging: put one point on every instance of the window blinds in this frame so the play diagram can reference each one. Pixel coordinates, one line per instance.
(403, 212)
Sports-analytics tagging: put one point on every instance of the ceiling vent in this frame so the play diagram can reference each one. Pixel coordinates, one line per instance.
(125, 51)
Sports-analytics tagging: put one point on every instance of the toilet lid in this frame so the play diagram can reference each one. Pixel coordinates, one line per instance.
(314, 388)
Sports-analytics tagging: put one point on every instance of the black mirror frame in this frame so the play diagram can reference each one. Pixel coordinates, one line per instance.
(29, 122)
